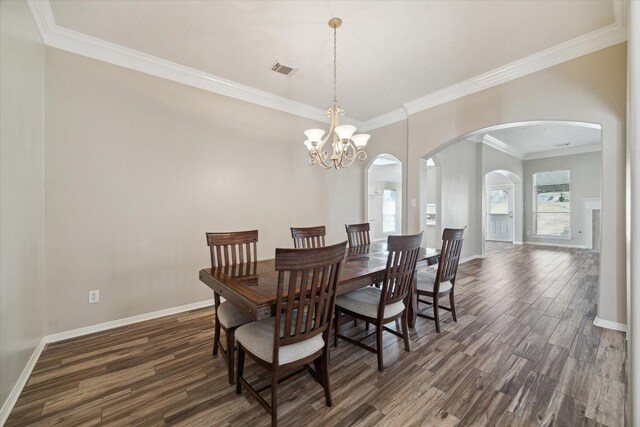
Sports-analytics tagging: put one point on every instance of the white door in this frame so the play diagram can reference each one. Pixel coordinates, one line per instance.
(500, 213)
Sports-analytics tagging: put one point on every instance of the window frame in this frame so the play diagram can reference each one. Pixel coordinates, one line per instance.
(535, 212)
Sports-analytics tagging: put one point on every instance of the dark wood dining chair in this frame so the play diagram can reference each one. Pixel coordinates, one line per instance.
(379, 306)
(442, 283)
(358, 234)
(233, 250)
(308, 237)
(299, 332)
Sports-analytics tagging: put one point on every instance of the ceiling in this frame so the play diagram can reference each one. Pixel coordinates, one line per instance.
(528, 140)
(389, 53)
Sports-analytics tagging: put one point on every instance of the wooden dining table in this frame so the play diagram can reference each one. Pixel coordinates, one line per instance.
(252, 287)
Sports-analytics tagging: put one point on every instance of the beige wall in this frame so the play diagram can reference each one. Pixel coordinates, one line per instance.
(585, 179)
(459, 167)
(588, 89)
(139, 168)
(21, 191)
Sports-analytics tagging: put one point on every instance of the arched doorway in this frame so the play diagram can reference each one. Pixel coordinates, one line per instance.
(502, 211)
(384, 196)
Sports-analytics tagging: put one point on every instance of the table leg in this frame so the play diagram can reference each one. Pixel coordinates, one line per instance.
(413, 303)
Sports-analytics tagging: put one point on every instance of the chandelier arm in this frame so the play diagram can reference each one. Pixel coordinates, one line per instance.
(350, 150)
(319, 158)
(355, 155)
(322, 163)
(348, 163)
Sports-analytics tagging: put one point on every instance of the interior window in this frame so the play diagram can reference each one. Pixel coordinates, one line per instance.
(389, 208)
(498, 202)
(431, 214)
(552, 204)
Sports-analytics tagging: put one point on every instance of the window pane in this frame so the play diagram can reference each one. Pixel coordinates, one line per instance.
(389, 202)
(498, 202)
(431, 214)
(388, 211)
(552, 203)
(552, 224)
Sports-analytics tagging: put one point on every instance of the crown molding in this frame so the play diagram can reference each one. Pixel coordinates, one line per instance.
(62, 38)
(385, 119)
(501, 146)
(566, 151)
(572, 49)
(43, 16)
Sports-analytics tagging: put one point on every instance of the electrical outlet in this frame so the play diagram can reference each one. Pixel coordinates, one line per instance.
(528, 233)
(413, 203)
(94, 296)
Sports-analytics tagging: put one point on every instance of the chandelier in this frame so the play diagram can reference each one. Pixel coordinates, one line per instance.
(346, 147)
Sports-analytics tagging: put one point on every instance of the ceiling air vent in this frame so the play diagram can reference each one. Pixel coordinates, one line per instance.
(282, 69)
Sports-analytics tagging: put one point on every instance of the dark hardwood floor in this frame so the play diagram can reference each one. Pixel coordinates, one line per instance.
(523, 352)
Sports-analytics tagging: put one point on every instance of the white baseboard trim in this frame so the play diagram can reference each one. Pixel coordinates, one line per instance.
(559, 245)
(22, 381)
(608, 324)
(518, 243)
(60, 336)
(470, 258)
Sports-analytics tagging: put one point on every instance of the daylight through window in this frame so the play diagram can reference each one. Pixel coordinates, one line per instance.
(552, 204)
(389, 209)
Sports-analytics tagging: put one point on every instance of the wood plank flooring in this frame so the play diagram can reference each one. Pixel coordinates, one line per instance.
(523, 352)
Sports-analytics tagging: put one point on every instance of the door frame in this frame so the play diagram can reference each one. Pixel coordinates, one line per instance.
(518, 206)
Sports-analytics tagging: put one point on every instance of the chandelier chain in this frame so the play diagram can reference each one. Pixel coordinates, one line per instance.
(335, 61)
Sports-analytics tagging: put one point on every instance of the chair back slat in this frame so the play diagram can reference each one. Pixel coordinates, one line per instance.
(401, 266)
(233, 248)
(307, 280)
(308, 237)
(449, 255)
(358, 234)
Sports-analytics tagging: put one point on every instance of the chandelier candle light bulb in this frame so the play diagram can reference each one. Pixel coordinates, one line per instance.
(346, 147)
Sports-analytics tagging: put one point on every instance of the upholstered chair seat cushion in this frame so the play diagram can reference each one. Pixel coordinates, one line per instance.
(365, 301)
(257, 338)
(230, 317)
(427, 280)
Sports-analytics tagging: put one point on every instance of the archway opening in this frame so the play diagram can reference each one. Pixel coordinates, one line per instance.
(522, 157)
(384, 196)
